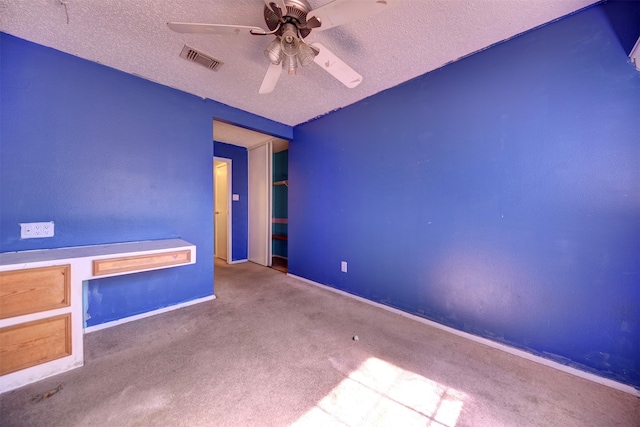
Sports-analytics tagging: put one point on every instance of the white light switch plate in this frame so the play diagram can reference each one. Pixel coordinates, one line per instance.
(236, 197)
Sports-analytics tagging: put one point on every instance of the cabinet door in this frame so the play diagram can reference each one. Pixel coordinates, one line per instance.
(33, 290)
(32, 343)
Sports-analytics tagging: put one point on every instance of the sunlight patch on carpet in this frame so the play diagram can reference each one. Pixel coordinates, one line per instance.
(380, 393)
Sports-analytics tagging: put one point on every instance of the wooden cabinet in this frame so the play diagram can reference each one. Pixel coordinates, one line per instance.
(27, 342)
(33, 290)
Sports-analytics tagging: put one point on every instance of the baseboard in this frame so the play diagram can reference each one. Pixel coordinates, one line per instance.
(238, 261)
(511, 350)
(106, 325)
(278, 256)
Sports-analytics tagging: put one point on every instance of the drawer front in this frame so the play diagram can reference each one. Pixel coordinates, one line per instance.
(32, 343)
(33, 290)
(141, 262)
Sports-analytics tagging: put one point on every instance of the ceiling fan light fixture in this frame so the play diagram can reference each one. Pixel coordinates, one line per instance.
(306, 55)
(290, 64)
(289, 40)
(273, 51)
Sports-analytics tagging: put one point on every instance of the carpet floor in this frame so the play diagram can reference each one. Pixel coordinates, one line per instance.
(274, 351)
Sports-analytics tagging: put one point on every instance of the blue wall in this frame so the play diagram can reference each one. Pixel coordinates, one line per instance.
(109, 157)
(240, 186)
(499, 195)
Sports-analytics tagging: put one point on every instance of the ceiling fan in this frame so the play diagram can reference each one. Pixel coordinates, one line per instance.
(291, 21)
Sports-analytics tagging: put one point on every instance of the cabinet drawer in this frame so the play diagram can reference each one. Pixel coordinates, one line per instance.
(33, 290)
(140, 262)
(32, 343)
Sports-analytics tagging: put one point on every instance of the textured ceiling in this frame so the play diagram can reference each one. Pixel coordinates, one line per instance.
(415, 37)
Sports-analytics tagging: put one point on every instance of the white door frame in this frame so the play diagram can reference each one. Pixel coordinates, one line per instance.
(229, 163)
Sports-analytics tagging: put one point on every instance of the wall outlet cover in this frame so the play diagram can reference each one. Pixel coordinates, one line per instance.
(36, 230)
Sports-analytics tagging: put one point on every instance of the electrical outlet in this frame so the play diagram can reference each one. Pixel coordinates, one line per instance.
(343, 266)
(36, 230)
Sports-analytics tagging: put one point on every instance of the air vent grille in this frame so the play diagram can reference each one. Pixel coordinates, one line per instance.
(198, 57)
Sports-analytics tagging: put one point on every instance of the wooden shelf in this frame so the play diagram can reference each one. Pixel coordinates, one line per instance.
(280, 237)
(284, 182)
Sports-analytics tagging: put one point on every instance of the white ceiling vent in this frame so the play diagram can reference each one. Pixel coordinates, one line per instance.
(193, 55)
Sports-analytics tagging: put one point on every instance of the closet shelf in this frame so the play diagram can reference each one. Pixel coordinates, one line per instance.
(280, 237)
(284, 182)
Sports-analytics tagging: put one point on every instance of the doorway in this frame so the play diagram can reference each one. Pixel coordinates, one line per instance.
(261, 223)
(222, 209)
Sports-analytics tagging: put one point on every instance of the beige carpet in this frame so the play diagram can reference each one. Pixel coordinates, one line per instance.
(274, 351)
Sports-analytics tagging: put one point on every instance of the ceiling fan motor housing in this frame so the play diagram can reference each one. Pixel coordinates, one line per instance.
(295, 14)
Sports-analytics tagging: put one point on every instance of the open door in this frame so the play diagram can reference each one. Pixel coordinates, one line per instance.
(260, 182)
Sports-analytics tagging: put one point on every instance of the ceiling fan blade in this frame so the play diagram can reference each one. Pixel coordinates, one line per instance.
(336, 67)
(313, 22)
(340, 12)
(187, 27)
(271, 78)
